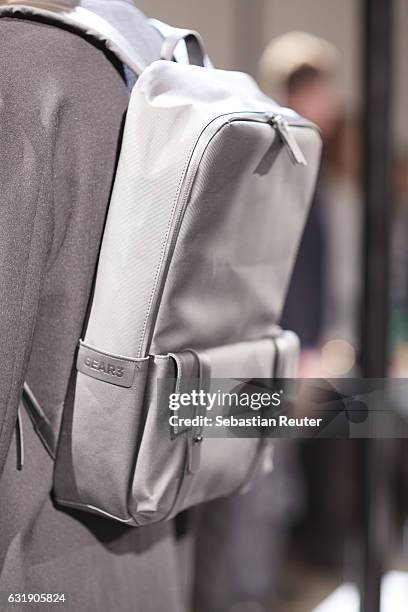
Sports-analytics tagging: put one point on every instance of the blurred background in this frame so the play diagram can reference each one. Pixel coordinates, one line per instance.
(318, 532)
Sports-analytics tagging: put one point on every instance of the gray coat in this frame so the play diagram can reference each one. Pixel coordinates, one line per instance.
(62, 103)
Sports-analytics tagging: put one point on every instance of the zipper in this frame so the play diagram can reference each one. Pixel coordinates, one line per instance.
(292, 146)
(280, 123)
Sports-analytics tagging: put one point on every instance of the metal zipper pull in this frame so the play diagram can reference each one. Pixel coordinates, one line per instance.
(295, 152)
(194, 455)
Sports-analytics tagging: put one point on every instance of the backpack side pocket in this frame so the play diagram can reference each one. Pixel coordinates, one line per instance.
(99, 435)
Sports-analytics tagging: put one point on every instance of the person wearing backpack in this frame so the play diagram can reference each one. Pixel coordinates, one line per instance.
(102, 306)
(62, 103)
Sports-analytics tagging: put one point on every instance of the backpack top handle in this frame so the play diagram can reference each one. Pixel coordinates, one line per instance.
(194, 45)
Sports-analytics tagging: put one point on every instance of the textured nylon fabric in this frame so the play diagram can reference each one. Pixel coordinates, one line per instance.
(235, 251)
(170, 106)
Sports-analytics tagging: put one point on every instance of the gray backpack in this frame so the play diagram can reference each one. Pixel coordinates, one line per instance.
(210, 198)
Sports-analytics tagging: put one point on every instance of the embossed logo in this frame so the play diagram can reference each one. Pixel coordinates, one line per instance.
(104, 366)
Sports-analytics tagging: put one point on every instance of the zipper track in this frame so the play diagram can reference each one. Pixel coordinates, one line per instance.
(263, 117)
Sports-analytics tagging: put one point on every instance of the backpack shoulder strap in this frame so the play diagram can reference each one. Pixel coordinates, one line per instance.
(118, 24)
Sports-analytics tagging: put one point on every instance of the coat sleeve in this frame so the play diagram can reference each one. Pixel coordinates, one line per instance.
(26, 232)
(62, 103)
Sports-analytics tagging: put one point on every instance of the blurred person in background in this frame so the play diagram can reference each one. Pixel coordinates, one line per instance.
(301, 69)
(399, 269)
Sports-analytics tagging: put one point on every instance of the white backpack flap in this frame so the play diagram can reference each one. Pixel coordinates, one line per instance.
(211, 195)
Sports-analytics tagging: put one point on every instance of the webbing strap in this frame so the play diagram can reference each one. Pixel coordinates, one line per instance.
(41, 424)
(204, 376)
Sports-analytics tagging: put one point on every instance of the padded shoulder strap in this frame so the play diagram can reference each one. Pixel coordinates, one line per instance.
(123, 29)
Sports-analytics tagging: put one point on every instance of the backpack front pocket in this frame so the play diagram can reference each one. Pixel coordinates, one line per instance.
(181, 466)
(121, 454)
